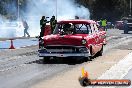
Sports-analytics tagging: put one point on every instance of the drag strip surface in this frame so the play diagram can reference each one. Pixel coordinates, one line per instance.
(23, 68)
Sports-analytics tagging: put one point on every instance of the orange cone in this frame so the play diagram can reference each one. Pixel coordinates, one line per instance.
(12, 46)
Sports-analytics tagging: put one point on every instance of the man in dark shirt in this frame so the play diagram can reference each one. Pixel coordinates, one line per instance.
(53, 22)
(42, 26)
(125, 27)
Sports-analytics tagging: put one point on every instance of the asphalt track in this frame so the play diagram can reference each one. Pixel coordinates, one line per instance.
(22, 68)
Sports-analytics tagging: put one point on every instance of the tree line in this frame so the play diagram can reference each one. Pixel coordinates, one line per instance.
(111, 10)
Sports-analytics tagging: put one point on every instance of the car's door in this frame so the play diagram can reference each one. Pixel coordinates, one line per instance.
(95, 39)
(102, 36)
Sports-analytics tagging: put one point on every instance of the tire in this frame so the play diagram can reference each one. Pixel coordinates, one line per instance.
(91, 52)
(100, 53)
(87, 59)
(46, 59)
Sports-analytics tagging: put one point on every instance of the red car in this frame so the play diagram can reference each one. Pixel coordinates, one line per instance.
(73, 38)
(119, 25)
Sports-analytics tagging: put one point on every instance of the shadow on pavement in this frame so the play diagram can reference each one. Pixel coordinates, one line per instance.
(69, 61)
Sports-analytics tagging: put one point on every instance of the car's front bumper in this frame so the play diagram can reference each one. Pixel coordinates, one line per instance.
(64, 54)
(54, 53)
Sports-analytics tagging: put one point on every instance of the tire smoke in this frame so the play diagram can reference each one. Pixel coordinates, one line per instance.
(35, 9)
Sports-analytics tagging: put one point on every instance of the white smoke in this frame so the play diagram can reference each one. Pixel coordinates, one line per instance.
(64, 9)
(9, 29)
(35, 9)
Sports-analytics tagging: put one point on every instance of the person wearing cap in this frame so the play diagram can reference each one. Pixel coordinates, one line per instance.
(43, 22)
(53, 22)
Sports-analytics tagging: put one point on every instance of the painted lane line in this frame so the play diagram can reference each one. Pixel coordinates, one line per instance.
(119, 70)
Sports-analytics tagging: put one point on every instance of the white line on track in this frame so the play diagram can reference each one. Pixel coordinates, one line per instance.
(119, 70)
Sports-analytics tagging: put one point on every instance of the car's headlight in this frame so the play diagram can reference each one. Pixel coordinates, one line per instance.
(84, 41)
(83, 50)
(41, 44)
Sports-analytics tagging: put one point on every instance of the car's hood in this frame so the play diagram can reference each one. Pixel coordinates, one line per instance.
(64, 39)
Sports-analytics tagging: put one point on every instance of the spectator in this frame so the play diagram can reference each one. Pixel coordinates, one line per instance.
(104, 24)
(25, 25)
(43, 22)
(125, 26)
(53, 22)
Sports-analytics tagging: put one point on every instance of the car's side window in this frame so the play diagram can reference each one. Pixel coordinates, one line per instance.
(89, 29)
(96, 28)
(81, 28)
(92, 28)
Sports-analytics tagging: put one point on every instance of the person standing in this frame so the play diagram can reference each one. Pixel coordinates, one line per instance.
(104, 24)
(25, 25)
(43, 22)
(53, 22)
(125, 26)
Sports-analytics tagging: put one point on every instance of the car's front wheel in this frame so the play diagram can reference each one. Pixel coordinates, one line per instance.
(88, 59)
(100, 52)
(91, 52)
(46, 59)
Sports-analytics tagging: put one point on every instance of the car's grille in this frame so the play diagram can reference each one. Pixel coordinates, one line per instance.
(62, 49)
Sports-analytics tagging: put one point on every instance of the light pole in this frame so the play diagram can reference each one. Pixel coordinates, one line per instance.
(130, 7)
(18, 8)
(56, 8)
(18, 12)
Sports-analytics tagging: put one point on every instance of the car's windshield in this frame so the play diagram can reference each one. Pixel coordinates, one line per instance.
(70, 28)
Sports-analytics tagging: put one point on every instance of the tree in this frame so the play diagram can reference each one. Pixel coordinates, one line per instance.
(110, 9)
